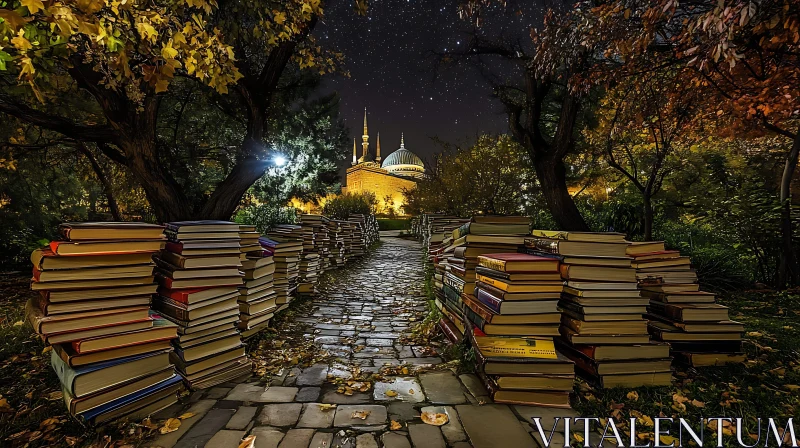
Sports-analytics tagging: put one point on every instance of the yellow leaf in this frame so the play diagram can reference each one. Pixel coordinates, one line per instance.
(791, 386)
(161, 85)
(4, 406)
(698, 404)
(667, 440)
(755, 334)
(395, 425)
(33, 5)
(248, 442)
(171, 425)
(186, 415)
(19, 323)
(361, 414)
(391, 393)
(168, 52)
(20, 43)
(678, 398)
(633, 395)
(434, 418)
(578, 437)
(326, 407)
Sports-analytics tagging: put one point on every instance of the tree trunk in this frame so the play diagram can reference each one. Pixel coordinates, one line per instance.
(552, 176)
(648, 217)
(107, 190)
(788, 270)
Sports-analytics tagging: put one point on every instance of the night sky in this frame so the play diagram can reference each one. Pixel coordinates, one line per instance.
(389, 54)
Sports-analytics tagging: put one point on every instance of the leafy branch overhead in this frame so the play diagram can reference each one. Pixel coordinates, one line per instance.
(135, 45)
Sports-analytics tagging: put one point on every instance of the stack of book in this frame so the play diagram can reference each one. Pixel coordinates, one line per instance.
(527, 371)
(111, 354)
(369, 227)
(359, 236)
(248, 242)
(516, 295)
(434, 229)
(257, 294)
(320, 238)
(349, 238)
(336, 248)
(699, 330)
(458, 262)
(286, 255)
(199, 279)
(602, 328)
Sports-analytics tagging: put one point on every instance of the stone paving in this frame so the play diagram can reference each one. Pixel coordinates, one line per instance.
(360, 319)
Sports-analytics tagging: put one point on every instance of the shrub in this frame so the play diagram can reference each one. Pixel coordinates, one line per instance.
(265, 216)
(344, 205)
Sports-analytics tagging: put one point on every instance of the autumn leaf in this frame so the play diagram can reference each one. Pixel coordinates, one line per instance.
(326, 407)
(4, 406)
(667, 440)
(395, 425)
(248, 442)
(21, 44)
(678, 398)
(435, 418)
(698, 404)
(33, 5)
(186, 415)
(578, 437)
(391, 393)
(633, 395)
(171, 425)
(361, 414)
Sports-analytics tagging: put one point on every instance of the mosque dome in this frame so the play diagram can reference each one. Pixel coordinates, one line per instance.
(404, 162)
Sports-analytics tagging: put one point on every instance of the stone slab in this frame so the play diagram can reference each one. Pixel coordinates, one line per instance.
(266, 437)
(366, 441)
(426, 436)
(483, 423)
(243, 416)
(199, 408)
(336, 398)
(278, 394)
(313, 376)
(282, 414)
(404, 389)
(321, 440)
(246, 392)
(225, 437)
(395, 440)
(452, 430)
(344, 416)
(297, 438)
(307, 394)
(316, 416)
(442, 388)
(202, 431)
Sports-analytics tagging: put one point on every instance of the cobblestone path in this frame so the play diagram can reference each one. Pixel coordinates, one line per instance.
(360, 319)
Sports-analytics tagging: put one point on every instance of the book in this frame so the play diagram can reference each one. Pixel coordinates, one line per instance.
(176, 273)
(643, 247)
(98, 293)
(48, 308)
(590, 237)
(521, 287)
(89, 379)
(91, 283)
(71, 248)
(500, 219)
(56, 275)
(78, 405)
(653, 350)
(539, 348)
(518, 276)
(194, 283)
(59, 338)
(507, 296)
(132, 402)
(499, 306)
(602, 339)
(74, 231)
(709, 359)
(48, 325)
(600, 293)
(204, 226)
(73, 359)
(668, 333)
(517, 262)
(684, 312)
(605, 327)
(598, 273)
(542, 329)
(184, 262)
(490, 239)
(195, 295)
(481, 228)
(161, 330)
(577, 248)
(45, 259)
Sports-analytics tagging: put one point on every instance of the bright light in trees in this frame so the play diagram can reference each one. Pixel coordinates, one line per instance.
(279, 160)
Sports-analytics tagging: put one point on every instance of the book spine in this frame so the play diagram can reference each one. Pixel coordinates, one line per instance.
(492, 282)
(475, 318)
(489, 300)
(491, 263)
(172, 311)
(477, 309)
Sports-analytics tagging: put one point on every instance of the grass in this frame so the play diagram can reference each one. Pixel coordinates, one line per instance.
(765, 386)
(394, 223)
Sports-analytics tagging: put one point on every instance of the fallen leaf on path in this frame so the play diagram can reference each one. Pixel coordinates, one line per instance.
(171, 425)
(361, 414)
(395, 425)
(633, 395)
(248, 442)
(326, 407)
(186, 415)
(434, 418)
(391, 393)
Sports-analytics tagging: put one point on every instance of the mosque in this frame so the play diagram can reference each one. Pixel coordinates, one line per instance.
(385, 178)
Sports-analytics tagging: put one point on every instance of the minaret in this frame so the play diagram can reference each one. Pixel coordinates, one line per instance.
(378, 149)
(402, 143)
(355, 161)
(365, 138)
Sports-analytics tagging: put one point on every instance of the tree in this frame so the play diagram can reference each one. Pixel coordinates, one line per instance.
(642, 122)
(543, 111)
(742, 54)
(121, 59)
(492, 177)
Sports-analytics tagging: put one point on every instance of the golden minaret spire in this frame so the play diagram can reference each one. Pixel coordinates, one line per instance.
(365, 138)
(355, 161)
(402, 142)
(378, 149)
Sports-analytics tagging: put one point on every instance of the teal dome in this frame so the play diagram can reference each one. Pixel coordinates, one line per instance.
(402, 157)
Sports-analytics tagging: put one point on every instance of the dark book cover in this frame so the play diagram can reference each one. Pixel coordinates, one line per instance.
(485, 297)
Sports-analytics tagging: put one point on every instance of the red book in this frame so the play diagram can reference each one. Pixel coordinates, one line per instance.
(517, 262)
(194, 295)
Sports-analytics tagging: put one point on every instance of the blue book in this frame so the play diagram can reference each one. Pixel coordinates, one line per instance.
(98, 414)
